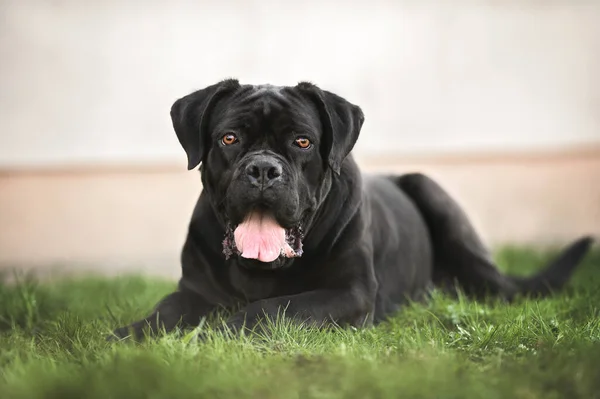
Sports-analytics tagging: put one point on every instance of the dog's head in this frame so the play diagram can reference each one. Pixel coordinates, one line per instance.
(267, 156)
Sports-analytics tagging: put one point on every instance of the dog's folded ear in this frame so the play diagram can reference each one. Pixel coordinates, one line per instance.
(190, 116)
(341, 120)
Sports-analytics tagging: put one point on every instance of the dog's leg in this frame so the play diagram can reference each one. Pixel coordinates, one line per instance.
(179, 308)
(315, 308)
(347, 298)
(460, 255)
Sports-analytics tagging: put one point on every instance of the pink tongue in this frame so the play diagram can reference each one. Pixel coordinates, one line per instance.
(260, 237)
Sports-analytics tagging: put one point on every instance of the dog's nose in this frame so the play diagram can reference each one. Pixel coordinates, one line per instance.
(263, 171)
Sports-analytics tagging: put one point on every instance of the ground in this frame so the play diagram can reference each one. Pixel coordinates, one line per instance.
(52, 345)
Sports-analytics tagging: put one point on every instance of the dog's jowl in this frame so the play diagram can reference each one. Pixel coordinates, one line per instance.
(286, 220)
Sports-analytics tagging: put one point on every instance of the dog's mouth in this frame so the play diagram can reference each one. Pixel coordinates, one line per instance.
(260, 237)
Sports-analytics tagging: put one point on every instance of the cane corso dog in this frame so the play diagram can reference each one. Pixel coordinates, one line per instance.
(287, 223)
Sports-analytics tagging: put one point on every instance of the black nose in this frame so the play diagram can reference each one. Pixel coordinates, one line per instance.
(263, 171)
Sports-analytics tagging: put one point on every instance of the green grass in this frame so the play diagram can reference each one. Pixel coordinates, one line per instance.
(52, 345)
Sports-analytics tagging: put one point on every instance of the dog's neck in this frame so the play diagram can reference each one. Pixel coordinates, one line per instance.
(330, 215)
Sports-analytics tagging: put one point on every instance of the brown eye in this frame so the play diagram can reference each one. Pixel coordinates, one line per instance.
(229, 139)
(303, 142)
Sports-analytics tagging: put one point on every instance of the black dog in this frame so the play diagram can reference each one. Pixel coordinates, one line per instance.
(286, 220)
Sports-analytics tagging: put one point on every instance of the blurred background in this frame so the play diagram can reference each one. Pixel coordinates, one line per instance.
(498, 100)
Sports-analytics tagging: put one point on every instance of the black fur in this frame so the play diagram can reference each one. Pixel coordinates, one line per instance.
(370, 242)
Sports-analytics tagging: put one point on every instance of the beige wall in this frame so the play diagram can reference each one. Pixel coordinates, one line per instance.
(135, 219)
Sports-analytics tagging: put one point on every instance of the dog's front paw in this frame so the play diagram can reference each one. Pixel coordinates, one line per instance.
(133, 331)
(236, 323)
(119, 334)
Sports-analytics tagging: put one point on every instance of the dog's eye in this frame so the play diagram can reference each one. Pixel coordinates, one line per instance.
(303, 142)
(229, 139)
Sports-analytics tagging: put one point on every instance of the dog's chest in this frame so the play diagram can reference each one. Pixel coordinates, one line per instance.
(251, 287)
(256, 286)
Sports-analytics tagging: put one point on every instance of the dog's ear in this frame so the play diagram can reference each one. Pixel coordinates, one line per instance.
(190, 116)
(341, 122)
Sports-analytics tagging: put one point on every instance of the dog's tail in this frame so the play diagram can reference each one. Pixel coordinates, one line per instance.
(556, 274)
